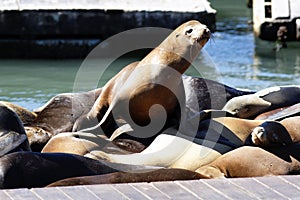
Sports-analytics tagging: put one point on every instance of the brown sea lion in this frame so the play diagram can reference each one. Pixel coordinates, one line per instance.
(59, 115)
(25, 115)
(151, 90)
(125, 177)
(250, 161)
(82, 143)
(280, 113)
(249, 106)
(34, 169)
(277, 133)
(178, 150)
(12, 133)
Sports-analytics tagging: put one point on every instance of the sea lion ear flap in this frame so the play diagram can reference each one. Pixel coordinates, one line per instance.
(177, 35)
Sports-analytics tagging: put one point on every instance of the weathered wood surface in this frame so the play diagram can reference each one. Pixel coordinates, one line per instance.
(277, 187)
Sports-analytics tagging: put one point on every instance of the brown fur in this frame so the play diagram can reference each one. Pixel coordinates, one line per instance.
(125, 177)
(138, 86)
(254, 161)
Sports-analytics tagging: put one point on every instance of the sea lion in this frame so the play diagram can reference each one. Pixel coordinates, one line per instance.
(210, 94)
(248, 161)
(277, 133)
(176, 149)
(215, 136)
(125, 177)
(59, 115)
(12, 133)
(82, 143)
(280, 113)
(149, 90)
(249, 106)
(25, 115)
(34, 169)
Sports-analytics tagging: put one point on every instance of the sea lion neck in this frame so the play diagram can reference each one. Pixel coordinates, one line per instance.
(166, 58)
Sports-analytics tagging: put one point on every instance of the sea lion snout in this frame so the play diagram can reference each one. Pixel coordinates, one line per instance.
(199, 34)
(205, 34)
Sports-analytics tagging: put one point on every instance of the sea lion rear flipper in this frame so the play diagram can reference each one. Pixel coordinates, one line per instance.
(11, 141)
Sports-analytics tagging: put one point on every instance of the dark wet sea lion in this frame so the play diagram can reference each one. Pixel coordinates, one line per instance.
(210, 94)
(33, 169)
(250, 161)
(249, 106)
(60, 112)
(59, 115)
(125, 177)
(272, 133)
(12, 133)
(155, 80)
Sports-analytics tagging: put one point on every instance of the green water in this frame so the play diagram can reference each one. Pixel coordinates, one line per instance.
(233, 57)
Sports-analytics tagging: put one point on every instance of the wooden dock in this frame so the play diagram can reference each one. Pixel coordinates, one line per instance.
(276, 187)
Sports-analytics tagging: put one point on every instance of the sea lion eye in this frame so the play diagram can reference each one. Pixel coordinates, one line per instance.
(189, 31)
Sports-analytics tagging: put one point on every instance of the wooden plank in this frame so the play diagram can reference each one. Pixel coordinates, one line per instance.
(149, 190)
(21, 194)
(104, 192)
(281, 186)
(202, 190)
(255, 188)
(292, 179)
(228, 189)
(173, 190)
(78, 192)
(4, 195)
(129, 192)
(49, 193)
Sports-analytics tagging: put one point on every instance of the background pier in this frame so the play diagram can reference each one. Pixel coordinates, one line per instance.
(71, 28)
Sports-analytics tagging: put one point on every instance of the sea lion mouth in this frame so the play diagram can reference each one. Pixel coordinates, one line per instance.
(204, 37)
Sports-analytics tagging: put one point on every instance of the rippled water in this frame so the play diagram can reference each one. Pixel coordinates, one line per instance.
(233, 57)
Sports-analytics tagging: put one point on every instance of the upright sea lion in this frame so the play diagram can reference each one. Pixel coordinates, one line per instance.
(249, 106)
(134, 93)
(12, 133)
(34, 169)
(250, 161)
(272, 133)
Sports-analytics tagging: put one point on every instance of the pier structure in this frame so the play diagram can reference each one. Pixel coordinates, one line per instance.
(276, 19)
(72, 28)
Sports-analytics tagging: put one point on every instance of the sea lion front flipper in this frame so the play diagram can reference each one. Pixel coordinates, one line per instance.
(10, 141)
(122, 129)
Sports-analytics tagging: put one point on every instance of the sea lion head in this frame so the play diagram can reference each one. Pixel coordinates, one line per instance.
(192, 33)
(186, 41)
